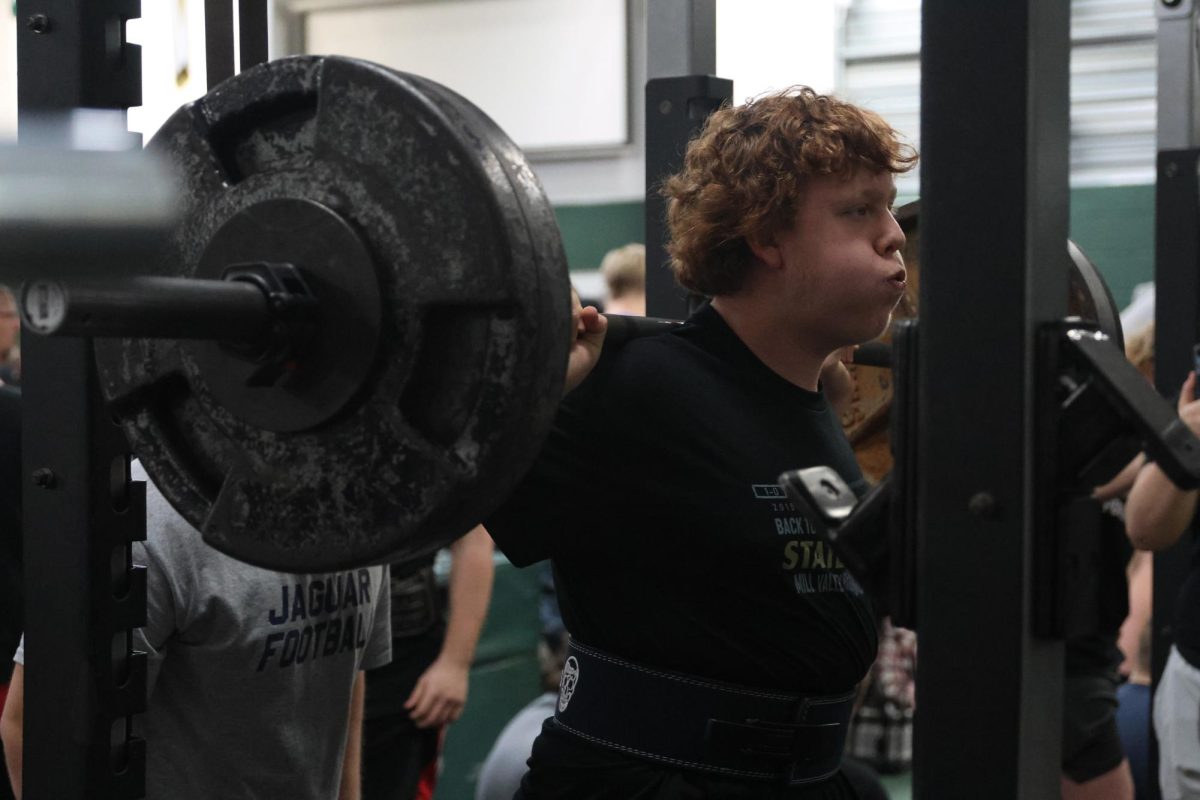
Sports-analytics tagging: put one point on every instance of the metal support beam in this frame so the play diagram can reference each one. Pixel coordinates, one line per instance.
(82, 683)
(676, 109)
(1178, 81)
(681, 58)
(682, 38)
(73, 54)
(994, 131)
(218, 41)
(252, 33)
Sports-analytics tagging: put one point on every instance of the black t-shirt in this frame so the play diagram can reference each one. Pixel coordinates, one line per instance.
(655, 496)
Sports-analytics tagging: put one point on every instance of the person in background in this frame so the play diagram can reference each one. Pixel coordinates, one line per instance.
(624, 271)
(1157, 515)
(254, 678)
(411, 701)
(1133, 696)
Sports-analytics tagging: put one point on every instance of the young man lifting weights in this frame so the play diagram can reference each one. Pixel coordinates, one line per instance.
(706, 662)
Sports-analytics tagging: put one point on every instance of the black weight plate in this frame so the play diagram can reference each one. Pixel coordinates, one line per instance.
(1089, 296)
(471, 341)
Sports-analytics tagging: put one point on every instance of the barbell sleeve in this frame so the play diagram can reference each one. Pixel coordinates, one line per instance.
(147, 307)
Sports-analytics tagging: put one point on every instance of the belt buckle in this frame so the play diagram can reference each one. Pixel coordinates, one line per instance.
(795, 747)
(812, 743)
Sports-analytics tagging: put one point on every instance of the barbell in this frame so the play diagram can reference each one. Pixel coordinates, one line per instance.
(404, 402)
(354, 340)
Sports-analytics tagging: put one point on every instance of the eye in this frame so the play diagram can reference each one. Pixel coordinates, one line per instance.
(859, 211)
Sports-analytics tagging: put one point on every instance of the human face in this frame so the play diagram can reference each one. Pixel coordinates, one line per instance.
(841, 268)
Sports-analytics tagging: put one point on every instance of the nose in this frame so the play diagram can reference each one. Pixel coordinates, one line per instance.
(892, 237)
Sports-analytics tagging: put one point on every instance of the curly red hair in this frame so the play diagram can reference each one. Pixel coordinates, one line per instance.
(745, 173)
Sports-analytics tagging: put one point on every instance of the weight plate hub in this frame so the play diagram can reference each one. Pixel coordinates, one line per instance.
(443, 323)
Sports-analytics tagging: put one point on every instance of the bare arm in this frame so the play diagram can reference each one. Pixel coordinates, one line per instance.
(1157, 511)
(12, 728)
(441, 692)
(1122, 482)
(351, 786)
(836, 381)
(1133, 630)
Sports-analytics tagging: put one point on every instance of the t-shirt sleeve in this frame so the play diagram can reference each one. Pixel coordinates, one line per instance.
(589, 457)
(170, 557)
(161, 613)
(379, 646)
(559, 487)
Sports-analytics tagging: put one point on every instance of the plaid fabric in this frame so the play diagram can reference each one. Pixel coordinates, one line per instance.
(881, 731)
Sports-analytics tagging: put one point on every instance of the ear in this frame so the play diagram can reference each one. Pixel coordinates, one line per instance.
(766, 250)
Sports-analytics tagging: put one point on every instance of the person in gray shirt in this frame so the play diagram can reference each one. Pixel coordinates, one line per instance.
(255, 682)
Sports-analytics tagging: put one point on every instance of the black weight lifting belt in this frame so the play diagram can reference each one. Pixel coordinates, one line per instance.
(695, 723)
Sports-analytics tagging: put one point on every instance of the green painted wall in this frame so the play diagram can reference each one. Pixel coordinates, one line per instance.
(591, 231)
(1113, 225)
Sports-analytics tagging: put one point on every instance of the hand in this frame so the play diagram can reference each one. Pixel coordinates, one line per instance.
(836, 380)
(587, 337)
(1188, 407)
(439, 696)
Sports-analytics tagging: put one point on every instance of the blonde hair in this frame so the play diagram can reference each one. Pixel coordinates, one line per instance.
(624, 270)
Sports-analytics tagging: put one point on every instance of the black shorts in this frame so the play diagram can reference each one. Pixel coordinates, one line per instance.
(395, 753)
(1091, 743)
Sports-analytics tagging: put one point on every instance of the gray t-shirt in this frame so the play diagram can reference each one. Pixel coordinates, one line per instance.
(250, 671)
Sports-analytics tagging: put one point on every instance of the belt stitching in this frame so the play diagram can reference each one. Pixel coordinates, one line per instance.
(692, 764)
(703, 684)
(657, 757)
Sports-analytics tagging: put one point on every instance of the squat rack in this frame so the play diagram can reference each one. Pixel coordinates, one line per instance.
(994, 132)
(84, 682)
(1001, 68)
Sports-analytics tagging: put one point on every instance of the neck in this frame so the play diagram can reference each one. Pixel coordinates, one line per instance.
(757, 325)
